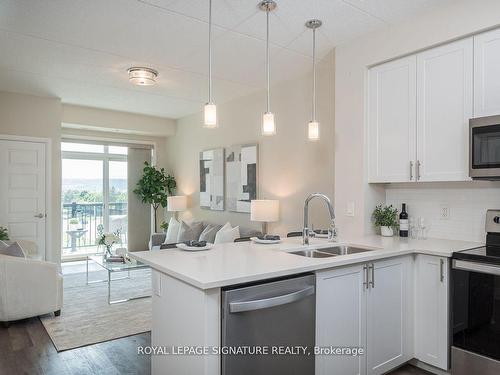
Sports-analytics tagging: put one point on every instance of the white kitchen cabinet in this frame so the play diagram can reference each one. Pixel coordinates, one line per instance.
(389, 328)
(392, 120)
(370, 306)
(444, 107)
(487, 73)
(431, 312)
(341, 318)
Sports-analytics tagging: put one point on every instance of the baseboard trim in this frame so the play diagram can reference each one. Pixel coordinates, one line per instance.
(424, 366)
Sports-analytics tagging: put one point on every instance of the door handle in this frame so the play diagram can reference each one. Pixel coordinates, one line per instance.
(40, 216)
(372, 278)
(441, 270)
(418, 170)
(236, 307)
(476, 267)
(411, 170)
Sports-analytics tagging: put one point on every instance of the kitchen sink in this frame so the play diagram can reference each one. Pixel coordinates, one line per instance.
(312, 254)
(343, 250)
(328, 252)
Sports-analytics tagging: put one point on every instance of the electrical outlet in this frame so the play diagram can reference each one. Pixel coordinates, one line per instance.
(445, 212)
(349, 211)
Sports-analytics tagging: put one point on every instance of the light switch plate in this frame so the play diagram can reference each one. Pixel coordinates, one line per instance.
(349, 211)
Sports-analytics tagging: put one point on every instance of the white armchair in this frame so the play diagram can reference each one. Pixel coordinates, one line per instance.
(29, 287)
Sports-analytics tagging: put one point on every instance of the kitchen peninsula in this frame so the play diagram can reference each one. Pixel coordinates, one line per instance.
(373, 291)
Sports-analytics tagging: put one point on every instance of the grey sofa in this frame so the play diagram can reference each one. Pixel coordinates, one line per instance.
(157, 239)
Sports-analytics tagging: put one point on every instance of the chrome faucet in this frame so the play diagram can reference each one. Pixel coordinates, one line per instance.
(332, 231)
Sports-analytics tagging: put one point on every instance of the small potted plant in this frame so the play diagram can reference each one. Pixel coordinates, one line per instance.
(385, 217)
(164, 226)
(4, 234)
(74, 224)
(107, 240)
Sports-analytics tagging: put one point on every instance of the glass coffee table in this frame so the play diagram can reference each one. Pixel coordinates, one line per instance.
(115, 267)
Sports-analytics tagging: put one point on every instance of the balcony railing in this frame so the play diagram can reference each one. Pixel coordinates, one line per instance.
(81, 220)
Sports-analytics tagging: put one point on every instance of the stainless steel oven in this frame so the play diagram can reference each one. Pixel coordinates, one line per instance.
(484, 148)
(476, 305)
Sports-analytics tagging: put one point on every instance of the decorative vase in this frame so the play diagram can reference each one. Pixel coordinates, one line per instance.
(386, 231)
(107, 252)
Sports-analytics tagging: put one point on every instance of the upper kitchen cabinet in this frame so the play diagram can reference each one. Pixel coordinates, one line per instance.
(392, 120)
(487, 74)
(444, 107)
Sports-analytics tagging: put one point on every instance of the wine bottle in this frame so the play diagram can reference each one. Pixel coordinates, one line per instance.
(403, 222)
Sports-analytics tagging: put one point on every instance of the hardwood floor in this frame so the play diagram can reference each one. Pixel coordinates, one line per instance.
(26, 349)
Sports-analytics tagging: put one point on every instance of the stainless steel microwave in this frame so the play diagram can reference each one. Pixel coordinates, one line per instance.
(484, 150)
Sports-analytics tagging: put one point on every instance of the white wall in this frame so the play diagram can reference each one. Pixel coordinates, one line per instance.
(290, 166)
(33, 116)
(352, 60)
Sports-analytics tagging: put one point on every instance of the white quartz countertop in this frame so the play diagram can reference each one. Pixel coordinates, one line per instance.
(235, 263)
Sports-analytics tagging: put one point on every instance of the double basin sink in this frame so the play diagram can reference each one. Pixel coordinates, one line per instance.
(328, 252)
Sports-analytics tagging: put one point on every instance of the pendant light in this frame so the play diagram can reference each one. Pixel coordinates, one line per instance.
(210, 107)
(268, 125)
(313, 126)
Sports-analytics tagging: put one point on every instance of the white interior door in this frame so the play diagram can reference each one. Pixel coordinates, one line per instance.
(22, 191)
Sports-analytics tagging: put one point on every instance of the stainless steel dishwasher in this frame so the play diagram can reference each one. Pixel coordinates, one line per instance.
(273, 316)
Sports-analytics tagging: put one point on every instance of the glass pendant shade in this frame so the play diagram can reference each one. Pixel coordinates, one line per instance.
(313, 131)
(268, 127)
(210, 115)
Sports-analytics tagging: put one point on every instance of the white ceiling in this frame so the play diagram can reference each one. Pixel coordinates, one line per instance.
(80, 50)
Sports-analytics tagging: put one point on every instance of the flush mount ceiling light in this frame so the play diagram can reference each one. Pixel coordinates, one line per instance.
(268, 125)
(313, 126)
(142, 76)
(210, 107)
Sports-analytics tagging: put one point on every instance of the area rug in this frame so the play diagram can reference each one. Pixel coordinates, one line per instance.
(87, 318)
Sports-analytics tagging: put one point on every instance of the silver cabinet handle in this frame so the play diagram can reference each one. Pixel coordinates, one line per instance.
(372, 279)
(365, 277)
(236, 307)
(476, 267)
(40, 216)
(411, 170)
(441, 270)
(418, 170)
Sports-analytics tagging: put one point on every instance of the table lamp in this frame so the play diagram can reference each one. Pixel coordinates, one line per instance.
(176, 203)
(264, 210)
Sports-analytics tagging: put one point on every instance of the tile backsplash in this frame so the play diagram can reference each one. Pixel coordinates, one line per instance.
(466, 202)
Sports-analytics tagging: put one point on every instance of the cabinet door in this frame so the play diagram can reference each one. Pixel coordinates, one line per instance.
(431, 319)
(487, 73)
(340, 318)
(389, 315)
(391, 120)
(444, 107)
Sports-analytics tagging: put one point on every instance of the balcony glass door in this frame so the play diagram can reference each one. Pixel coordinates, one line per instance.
(94, 196)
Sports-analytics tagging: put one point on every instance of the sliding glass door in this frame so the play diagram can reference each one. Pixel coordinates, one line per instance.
(94, 196)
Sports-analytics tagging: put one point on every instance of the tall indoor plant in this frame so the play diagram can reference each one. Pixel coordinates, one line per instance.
(154, 187)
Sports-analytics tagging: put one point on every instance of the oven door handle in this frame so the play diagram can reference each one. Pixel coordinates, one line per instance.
(476, 267)
(236, 307)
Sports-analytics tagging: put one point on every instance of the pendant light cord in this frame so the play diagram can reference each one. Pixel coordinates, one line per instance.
(267, 62)
(210, 51)
(314, 77)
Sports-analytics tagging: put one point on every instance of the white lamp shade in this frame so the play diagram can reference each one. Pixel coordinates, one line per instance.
(313, 131)
(177, 203)
(265, 210)
(268, 126)
(210, 115)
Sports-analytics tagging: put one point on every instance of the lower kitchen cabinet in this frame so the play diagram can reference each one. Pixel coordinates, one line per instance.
(370, 306)
(431, 312)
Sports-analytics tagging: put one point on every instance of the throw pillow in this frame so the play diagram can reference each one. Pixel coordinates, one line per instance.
(14, 250)
(172, 231)
(190, 232)
(209, 233)
(226, 235)
(3, 245)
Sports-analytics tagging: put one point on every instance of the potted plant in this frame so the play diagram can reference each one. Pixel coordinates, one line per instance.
(4, 234)
(385, 217)
(164, 226)
(154, 187)
(74, 224)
